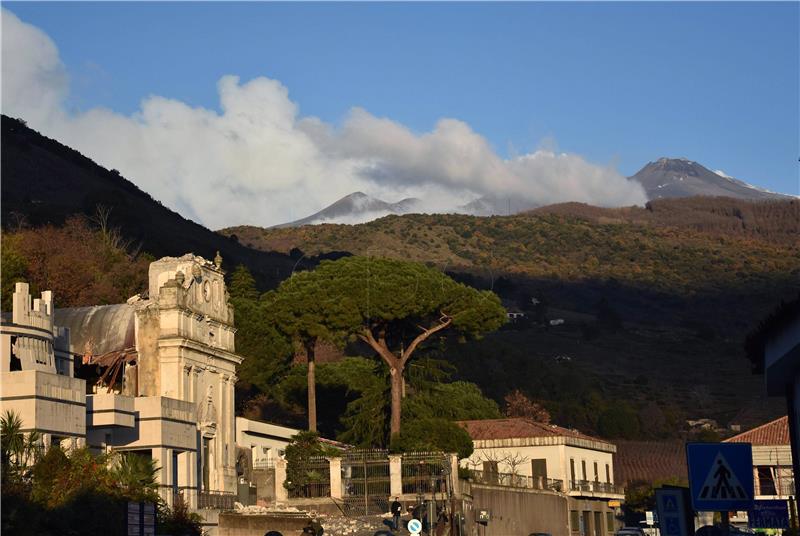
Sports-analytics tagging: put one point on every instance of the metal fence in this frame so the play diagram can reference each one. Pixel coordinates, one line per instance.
(315, 479)
(511, 480)
(425, 472)
(594, 486)
(365, 482)
(220, 500)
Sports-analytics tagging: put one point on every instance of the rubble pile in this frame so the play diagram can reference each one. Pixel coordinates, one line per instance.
(277, 509)
(348, 526)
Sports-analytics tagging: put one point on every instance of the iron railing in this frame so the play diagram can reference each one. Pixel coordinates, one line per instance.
(425, 472)
(219, 500)
(315, 475)
(365, 482)
(594, 486)
(517, 481)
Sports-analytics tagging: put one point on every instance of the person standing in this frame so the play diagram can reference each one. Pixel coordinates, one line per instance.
(396, 509)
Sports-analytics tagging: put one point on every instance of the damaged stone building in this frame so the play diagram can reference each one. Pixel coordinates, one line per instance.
(154, 376)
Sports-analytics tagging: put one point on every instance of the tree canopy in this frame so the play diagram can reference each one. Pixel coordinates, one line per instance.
(306, 311)
(395, 307)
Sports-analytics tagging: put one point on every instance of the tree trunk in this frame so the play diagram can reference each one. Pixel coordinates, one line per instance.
(397, 399)
(312, 387)
(397, 363)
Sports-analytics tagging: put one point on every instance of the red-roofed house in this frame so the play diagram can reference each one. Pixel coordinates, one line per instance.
(772, 458)
(519, 452)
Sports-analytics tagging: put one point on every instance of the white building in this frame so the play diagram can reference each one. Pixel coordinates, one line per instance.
(267, 442)
(520, 452)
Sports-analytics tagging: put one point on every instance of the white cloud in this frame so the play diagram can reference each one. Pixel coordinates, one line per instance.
(260, 162)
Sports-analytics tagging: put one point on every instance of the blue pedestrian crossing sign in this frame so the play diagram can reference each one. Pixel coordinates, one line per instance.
(720, 476)
(673, 518)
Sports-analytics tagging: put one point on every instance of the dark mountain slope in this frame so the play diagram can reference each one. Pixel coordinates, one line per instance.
(44, 182)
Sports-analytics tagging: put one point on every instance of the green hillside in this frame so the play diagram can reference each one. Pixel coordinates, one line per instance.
(568, 247)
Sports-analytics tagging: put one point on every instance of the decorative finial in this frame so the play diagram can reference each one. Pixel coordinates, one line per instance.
(218, 261)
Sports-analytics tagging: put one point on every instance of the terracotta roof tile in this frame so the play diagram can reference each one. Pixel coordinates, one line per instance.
(772, 433)
(517, 427)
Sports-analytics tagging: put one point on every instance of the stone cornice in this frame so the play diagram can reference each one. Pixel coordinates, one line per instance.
(212, 351)
(516, 442)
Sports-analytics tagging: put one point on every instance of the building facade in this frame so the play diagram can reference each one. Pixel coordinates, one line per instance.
(523, 453)
(154, 376)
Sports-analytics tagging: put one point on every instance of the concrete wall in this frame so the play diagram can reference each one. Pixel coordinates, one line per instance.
(148, 362)
(518, 512)
(256, 525)
(264, 481)
(50, 403)
(586, 509)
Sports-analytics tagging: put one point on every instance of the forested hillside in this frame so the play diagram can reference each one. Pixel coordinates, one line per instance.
(655, 302)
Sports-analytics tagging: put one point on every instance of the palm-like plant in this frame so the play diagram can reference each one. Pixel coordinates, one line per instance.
(136, 475)
(17, 450)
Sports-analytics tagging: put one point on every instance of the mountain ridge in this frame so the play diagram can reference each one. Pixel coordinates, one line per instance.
(681, 177)
(355, 207)
(662, 178)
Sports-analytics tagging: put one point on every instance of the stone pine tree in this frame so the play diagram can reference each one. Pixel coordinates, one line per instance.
(395, 307)
(307, 313)
(266, 350)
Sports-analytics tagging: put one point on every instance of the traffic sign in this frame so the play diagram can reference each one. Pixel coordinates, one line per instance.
(672, 512)
(769, 515)
(415, 526)
(720, 476)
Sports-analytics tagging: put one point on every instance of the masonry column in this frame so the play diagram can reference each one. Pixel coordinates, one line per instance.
(163, 461)
(187, 477)
(281, 494)
(453, 459)
(335, 468)
(395, 475)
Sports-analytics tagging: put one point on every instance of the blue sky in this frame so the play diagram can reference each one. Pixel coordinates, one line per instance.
(617, 83)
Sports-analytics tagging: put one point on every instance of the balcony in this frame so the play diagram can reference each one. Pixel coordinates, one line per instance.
(511, 480)
(593, 488)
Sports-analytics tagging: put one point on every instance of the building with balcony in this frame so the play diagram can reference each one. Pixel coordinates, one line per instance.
(773, 477)
(519, 452)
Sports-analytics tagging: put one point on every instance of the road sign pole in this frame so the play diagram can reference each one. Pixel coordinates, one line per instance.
(725, 522)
